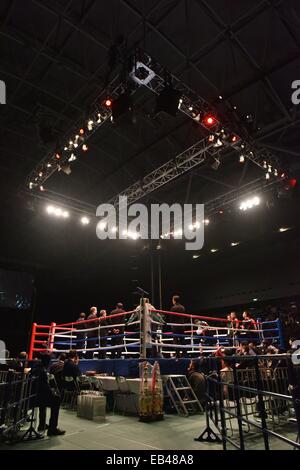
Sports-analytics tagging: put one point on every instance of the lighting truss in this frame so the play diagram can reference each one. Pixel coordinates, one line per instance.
(182, 163)
(191, 104)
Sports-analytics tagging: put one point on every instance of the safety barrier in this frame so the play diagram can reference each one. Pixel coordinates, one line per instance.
(17, 404)
(250, 397)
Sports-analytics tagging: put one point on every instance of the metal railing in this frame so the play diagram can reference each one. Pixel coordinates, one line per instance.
(252, 397)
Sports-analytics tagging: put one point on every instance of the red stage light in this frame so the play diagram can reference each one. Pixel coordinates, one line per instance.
(293, 182)
(57, 156)
(234, 138)
(108, 103)
(81, 131)
(209, 120)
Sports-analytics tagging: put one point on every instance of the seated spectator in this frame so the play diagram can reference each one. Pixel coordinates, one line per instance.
(46, 398)
(71, 368)
(57, 368)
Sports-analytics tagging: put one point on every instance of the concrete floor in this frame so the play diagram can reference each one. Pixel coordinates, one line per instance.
(127, 433)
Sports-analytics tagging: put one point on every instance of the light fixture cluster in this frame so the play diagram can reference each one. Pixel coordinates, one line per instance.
(57, 211)
(250, 203)
(178, 233)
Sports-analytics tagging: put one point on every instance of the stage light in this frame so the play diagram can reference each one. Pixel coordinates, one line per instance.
(90, 125)
(180, 103)
(85, 220)
(42, 188)
(31, 185)
(206, 221)
(65, 214)
(209, 120)
(214, 250)
(195, 256)
(211, 138)
(50, 209)
(85, 148)
(284, 229)
(57, 211)
(190, 108)
(49, 165)
(75, 145)
(99, 118)
(242, 159)
(233, 138)
(220, 97)
(72, 158)
(267, 176)
(293, 182)
(234, 243)
(108, 102)
(255, 300)
(275, 172)
(81, 131)
(269, 169)
(249, 203)
(265, 165)
(57, 156)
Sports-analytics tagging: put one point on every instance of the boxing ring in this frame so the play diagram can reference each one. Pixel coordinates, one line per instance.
(147, 333)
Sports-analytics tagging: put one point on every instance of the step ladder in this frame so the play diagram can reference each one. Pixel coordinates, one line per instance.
(181, 395)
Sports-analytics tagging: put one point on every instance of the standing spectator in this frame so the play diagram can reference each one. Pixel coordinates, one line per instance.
(46, 397)
(81, 336)
(117, 331)
(177, 307)
(92, 336)
(104, 331)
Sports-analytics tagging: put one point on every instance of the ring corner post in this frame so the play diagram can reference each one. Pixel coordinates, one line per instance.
(32, 341)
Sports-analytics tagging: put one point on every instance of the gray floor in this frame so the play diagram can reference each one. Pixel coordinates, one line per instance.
(127, 433)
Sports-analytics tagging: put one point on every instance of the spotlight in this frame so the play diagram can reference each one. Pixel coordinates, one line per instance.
(57, 156)
(242, 159)
(42, 188)
(85, 148)
(168, 101)
(209, 120)
(267, 176)
(249, 203)
(214, 250)
(81, 131)
(284, 229)
(31, 185)
(108, 102)
(265, 165)
(72, 158)
(195, 256)
(90, 125)
(99, 118)
(50, 209)
(206, 221)
(85, 220)
(49, 165)
(211, 138)
(234, 243)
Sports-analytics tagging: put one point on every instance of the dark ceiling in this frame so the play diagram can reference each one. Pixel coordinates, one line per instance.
(54, 61)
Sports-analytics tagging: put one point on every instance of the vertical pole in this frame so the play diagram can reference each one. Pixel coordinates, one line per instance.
(221, 403)
(152, 274)
(143, 350)
(51, 336)
(238, 406)
(261, 404)
(159, 281)
(32, 340)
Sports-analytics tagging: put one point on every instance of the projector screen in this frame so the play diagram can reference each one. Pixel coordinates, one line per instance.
(16, 289)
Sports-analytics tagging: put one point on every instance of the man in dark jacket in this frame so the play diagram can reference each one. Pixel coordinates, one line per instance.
(81, 335)
(116, 331)
(178, 329)
(46, 397)
(92, 336)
